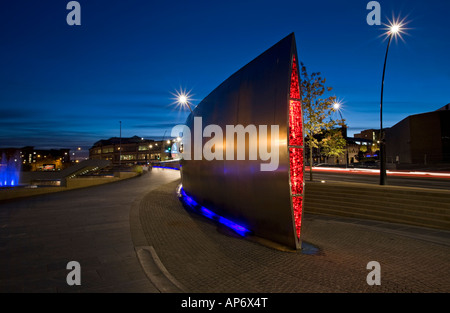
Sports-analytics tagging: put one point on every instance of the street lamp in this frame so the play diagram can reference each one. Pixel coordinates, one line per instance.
(337, 107)
(394, 29)
(183, 100)
(120, 146)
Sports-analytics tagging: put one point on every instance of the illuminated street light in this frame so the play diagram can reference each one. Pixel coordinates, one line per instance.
(337, 107)
(394, 29)
(182, 99)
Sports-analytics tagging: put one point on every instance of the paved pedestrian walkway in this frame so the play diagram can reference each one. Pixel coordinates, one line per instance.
(40, 235)
(194, 254)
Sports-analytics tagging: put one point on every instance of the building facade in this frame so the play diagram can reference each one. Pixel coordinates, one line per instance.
(134, 150)
(369, 134)
(420, 139)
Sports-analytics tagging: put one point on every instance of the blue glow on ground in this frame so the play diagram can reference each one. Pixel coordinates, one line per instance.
(213, 216)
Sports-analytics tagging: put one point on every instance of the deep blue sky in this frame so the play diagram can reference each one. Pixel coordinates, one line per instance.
(67, 86)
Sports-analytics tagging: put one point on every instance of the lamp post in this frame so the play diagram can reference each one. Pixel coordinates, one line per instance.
(394, 29)
(337, 107)
(120, 146)
(182, 99)
(162, 146)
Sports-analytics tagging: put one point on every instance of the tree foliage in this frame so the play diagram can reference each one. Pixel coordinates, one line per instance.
(363, 148)
(333, 144)
(317, 110)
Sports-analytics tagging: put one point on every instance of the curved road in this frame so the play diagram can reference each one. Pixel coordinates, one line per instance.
(40, 235)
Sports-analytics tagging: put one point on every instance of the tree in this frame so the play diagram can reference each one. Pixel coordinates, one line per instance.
(317, 111)
(363, 148)
(333, 144)
(374, 148)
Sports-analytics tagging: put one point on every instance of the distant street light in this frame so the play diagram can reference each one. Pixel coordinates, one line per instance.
(394, 29)
(337, 107)
(184, 101)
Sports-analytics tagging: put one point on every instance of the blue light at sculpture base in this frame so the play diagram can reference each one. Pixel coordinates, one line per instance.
(9, 171)
(211, 215)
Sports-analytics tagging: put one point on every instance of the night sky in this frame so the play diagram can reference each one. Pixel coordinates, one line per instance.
(67, 86)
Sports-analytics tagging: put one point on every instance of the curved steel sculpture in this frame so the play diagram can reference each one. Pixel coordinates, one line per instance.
(254, 190)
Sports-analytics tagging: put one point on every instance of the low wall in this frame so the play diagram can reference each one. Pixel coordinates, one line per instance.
(413, 206)
(72, 183)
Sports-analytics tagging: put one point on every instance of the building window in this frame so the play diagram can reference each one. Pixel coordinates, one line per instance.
(128, 157)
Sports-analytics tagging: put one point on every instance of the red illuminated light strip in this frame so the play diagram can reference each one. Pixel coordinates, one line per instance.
(296, 147)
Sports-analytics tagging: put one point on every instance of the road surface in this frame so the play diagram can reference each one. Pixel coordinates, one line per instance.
(420, 182)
